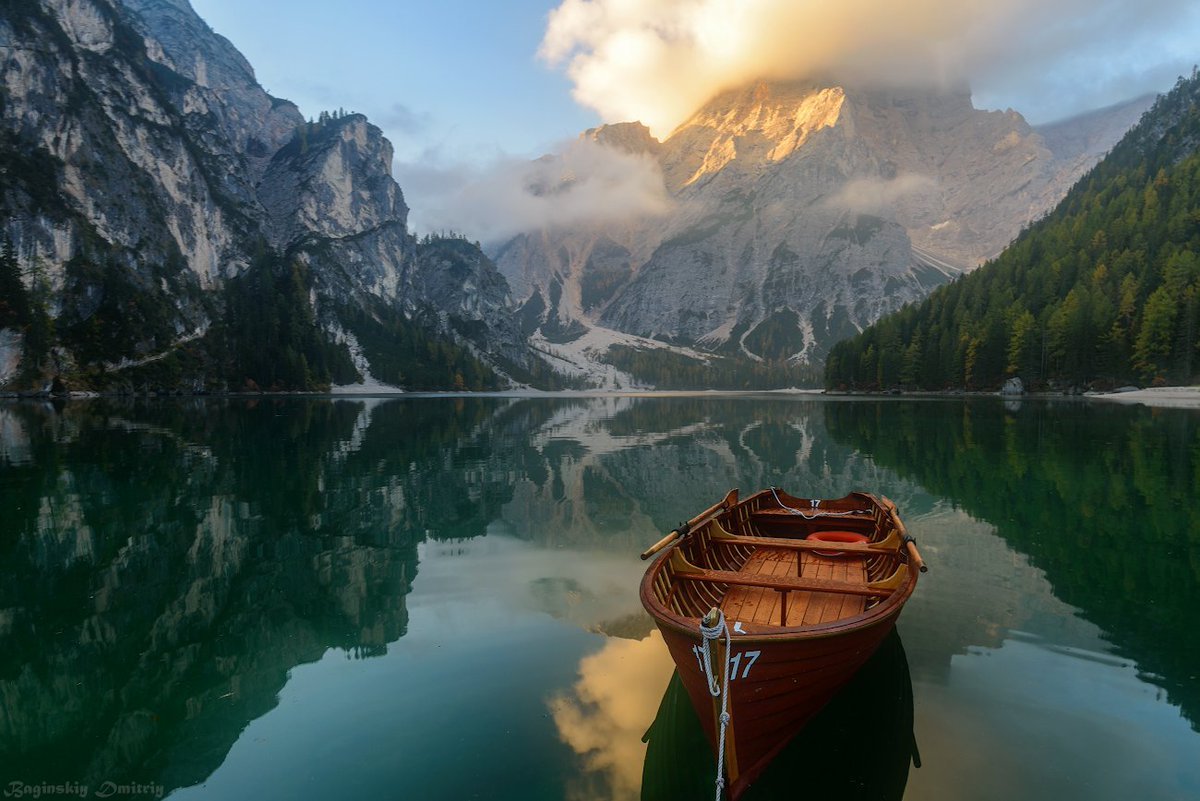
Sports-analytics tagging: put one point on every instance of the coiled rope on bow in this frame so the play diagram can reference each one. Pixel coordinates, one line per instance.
(718, 688)
(815, 513)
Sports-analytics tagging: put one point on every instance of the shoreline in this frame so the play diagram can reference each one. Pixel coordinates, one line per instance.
(1160, 397)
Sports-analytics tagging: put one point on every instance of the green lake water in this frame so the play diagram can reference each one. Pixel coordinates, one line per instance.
(436, 598)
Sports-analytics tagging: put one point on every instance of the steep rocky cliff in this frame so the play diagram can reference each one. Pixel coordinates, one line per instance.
(804, 211)
(152, 187)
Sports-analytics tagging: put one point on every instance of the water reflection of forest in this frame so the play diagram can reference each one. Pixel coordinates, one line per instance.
(1100, 497)
(164, 565)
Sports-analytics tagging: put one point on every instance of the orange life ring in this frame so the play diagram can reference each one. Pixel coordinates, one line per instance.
(836, 536)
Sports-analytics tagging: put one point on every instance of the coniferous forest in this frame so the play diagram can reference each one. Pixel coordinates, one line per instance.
(1103, 291)
(663, 369)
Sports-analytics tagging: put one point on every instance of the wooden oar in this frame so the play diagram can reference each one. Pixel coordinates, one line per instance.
(909, 543)
(729, 500)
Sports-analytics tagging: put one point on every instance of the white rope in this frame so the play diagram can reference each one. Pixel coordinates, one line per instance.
(815, 513)
(718, 689)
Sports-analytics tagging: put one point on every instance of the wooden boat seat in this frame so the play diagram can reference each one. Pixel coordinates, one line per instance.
(766, 590)
(770, 607)
(686, 570)
(890, 544)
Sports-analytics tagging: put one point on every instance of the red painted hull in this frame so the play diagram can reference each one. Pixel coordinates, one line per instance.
(789, 683)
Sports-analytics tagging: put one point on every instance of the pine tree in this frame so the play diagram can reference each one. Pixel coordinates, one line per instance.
(14, 297)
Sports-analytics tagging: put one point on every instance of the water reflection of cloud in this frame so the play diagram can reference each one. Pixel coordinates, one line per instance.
(593, 590)
(604, 715)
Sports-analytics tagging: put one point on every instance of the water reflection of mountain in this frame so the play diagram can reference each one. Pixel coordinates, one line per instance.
(163, 566)
(1100, 497)
(161, 570)
(622, 474)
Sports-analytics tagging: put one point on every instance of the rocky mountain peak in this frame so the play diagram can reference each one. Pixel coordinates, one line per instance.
(803, 211)
(628, 137)
(760, 123)
(333, 179)
(217, 85)
(188, 45)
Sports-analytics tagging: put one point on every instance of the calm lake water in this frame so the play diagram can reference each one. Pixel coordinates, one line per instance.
(436, 598)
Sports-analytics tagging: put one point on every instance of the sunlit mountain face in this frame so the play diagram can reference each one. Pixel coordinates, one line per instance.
(800, 212)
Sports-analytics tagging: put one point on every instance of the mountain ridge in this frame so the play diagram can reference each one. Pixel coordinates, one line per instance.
(149, 172)
(806, 208)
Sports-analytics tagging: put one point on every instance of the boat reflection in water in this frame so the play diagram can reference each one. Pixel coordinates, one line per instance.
(860, 746)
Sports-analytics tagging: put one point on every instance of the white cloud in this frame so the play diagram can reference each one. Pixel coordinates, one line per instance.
(877, 195)
(583, 182)
(657, 61)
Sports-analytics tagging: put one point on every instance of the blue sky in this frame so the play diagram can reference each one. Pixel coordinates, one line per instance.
(460, 77)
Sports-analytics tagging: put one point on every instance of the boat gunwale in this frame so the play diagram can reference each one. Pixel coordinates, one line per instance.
(880, 613)
(887, 610)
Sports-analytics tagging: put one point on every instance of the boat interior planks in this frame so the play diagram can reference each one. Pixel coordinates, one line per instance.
(765, 605)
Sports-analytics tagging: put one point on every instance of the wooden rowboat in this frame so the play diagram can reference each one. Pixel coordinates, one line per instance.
(770, 605)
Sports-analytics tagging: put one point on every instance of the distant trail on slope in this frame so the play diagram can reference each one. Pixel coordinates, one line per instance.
(926, 258)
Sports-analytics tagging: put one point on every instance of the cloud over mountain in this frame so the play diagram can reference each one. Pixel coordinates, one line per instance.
(658, 60)
(582, 182)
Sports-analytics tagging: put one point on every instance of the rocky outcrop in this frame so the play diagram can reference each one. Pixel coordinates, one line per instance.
(332, 181)
(1013, 386)
(803, 212)
(93, 155)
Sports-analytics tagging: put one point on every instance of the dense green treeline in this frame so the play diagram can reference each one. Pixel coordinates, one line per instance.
(1104, 290)
(403, 353)
(266, 334)
(666, 369)
(271, 338)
